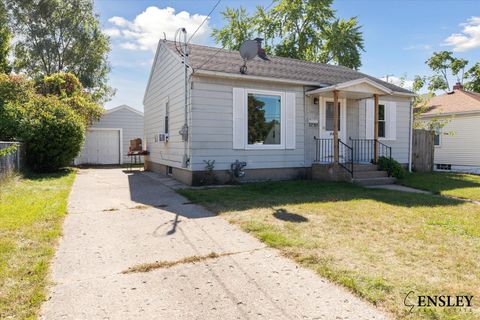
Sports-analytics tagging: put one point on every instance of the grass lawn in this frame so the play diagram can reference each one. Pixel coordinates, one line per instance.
(458, 185)
(31, 214)
(380, 244)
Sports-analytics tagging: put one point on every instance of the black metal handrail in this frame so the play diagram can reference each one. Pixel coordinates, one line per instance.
(346, 160)
(364, 150)
(384, 150)
(324, 153)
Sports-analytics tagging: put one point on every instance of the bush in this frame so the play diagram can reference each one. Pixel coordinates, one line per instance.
(52, 131)
(393, 168)
(68, 88)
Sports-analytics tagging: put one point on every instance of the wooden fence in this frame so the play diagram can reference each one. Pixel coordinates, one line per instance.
(13, 159)
(423, 149)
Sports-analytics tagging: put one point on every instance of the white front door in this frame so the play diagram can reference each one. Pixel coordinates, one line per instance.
(326, 125)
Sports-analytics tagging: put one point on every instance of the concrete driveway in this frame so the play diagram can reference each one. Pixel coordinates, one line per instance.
(118, 220)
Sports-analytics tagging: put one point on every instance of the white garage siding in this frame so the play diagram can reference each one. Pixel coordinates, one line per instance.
(129, 120)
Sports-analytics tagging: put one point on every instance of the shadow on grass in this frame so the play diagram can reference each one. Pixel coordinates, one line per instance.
(284, 215)
(30, 175)
(274, 194)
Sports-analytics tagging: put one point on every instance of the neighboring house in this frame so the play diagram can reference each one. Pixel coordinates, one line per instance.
(278, 117)
(457, 144)
(107, 141)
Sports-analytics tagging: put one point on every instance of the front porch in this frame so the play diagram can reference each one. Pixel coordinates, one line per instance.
(351, 136)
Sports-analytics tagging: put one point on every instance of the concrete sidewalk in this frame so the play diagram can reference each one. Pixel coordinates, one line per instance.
(118, 220)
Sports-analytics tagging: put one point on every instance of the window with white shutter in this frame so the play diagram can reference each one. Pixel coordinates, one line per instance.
(263, 119)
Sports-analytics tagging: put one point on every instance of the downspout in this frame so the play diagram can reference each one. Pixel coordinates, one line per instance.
(184, 130)
(410, 138)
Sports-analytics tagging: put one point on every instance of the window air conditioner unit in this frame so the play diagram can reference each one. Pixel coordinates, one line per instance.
(163, 137)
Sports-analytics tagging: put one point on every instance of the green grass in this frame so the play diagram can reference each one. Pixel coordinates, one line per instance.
(466, 186)
(379, 244)
(31, 214)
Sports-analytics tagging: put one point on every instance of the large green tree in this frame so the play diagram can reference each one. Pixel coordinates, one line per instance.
(301, 29)
(5, 36)
(445, 67)
(61, 36)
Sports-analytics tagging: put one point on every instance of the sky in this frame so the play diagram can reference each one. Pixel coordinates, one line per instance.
(399, 35)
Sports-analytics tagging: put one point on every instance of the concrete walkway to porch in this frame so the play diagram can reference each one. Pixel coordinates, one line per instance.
(118, 220)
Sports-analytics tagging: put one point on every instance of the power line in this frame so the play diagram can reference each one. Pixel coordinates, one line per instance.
(201, 24)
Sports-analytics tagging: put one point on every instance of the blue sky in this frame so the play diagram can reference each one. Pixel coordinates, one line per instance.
(399, 35)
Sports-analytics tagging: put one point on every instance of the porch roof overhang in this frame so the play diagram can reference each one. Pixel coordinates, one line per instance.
(355, 89)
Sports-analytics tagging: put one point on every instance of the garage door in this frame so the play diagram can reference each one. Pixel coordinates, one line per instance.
(101, 147)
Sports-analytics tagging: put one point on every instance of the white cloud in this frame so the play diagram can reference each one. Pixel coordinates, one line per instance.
(468, 39)
(112, 32)
(404, 83)
(419, 47)
(144, 31)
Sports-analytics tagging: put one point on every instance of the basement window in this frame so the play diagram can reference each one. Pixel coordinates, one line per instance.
(169, 170)
(441, 166)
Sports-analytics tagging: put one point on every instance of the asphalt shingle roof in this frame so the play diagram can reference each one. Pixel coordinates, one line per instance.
(453, 102)
(227, 61)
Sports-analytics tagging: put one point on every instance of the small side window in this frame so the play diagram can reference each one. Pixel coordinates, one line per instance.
(166, 117)
(436, 139)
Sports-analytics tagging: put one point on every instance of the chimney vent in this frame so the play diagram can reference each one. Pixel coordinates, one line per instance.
(458, 86)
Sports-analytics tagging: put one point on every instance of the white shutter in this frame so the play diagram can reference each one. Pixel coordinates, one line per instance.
(369, 119)
(239, 118)
(392, 120)
(290, 120)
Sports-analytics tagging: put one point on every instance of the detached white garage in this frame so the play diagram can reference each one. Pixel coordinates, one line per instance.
(107, 141)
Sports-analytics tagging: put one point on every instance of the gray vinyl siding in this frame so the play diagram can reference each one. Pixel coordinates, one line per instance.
(352, 119)
(167, 84)
(130, 122)
(400, 146)
(212, 127)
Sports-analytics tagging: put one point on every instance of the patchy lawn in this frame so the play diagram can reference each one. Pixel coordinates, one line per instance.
(380, 244)
(31, 214)
(458, 185)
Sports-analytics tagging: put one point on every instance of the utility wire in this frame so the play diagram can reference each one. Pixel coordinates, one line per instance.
(201, 24)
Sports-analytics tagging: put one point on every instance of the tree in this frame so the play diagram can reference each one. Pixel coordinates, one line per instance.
(238, 30)
(61, 36)
(5, 37)
(445, 66)
(301, 29)
(473, 74)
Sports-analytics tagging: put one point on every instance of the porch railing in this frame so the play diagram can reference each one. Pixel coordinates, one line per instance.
(346, 159)
(358, 151)
(324, 153)
(364, 150)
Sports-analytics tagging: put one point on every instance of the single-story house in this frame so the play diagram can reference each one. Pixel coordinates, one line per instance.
(107, 140)
(277, 117)
(457, 146)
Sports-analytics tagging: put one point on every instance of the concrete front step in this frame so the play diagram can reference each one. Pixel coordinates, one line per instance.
(369, 174)
(374, 181)
(364, 167)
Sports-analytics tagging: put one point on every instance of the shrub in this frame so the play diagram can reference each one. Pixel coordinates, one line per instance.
(393, 168)
(68, 88)
(52, 131)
